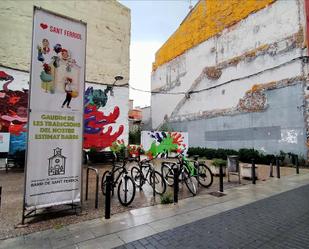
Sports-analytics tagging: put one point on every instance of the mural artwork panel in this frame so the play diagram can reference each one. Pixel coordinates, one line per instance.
(105, 116)
(13, 107)
(157, 143)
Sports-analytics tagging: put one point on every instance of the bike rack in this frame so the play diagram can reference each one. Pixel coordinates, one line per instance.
(97, 185)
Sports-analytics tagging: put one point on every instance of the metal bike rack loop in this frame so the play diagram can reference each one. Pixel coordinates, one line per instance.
(97, 185)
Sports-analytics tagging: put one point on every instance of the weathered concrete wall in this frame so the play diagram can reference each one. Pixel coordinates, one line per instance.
(229, 76)
(206, 20)
(108, 35)
(146, 118)
(280, 127)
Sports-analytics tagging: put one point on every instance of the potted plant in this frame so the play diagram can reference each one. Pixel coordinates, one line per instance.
(215, 166)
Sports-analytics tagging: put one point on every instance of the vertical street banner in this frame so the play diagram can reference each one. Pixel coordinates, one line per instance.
(55, 127)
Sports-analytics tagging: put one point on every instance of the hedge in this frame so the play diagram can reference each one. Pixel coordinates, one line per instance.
(245, 155)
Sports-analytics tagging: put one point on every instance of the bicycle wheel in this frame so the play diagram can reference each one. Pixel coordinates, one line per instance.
(126, 190)
(160, 184)
(189, 182)
(137, 176)
(168, 174)
(103, 182)
(205, 177)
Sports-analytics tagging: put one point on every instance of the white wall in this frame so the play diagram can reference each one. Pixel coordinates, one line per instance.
(275, 25)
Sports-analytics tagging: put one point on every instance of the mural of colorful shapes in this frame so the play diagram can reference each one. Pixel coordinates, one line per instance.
(18, 142)
(166, 142)
(95, 121)
(13, 106)
(96, 97)
(102, 139)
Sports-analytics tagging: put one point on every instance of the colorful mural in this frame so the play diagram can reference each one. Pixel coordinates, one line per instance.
(161, 143)
(100, 130)
(13, 112)
(105, 114)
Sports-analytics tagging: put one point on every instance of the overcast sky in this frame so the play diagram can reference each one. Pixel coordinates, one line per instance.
(152, 23)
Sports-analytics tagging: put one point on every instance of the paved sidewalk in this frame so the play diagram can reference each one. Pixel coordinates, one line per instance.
(140, 223)
(281, 221)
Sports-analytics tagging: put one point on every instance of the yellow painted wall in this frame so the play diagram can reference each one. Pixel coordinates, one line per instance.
(108, 34)
(208, 18)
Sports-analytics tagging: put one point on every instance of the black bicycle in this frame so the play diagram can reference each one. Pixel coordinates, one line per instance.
(145, 172)
(191, 172)
(120, 177)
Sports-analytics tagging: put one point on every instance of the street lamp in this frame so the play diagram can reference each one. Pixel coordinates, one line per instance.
(118, 77)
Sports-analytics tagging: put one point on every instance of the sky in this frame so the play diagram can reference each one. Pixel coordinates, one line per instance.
(152, 23)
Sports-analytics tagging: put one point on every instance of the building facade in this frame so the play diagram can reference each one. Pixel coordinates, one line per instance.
(108, 42)
(235, 75)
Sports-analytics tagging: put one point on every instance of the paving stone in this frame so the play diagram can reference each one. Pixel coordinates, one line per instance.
(281, 221)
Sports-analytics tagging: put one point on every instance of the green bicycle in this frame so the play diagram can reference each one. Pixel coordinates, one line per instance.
(191, 172)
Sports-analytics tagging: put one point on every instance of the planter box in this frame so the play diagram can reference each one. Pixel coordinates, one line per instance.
(101, 157)
(216, 170)
(246, 171)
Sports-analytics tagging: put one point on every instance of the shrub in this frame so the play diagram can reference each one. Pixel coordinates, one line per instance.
(246, 155)
(167, 198)
(218, 162)
(210, 153)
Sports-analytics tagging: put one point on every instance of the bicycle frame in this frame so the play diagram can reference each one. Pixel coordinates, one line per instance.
(190, 167)
(121, 169)
(149, 169)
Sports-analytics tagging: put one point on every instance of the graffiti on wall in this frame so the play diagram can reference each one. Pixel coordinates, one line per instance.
(99, 133)
(13, 112)
(105, 115)
(161, 143)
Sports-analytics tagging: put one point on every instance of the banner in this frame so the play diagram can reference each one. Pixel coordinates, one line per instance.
(55, 127)
(4, 141)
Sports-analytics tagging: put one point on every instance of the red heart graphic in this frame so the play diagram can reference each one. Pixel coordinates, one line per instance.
(44, 25)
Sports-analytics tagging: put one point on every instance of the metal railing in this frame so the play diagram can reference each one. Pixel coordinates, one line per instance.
(97, 185)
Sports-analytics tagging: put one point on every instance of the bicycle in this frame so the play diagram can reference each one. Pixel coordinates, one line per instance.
(188, 170)
(145, 172)
(126, 185)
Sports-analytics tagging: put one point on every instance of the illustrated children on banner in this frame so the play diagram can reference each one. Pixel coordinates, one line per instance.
(60, 72)
(68, 89)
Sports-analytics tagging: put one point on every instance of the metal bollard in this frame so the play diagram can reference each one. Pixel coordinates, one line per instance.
(297, 165)
(176, 184)
(140, 177)
(97, 191)
(278, 167)
(271, 170)
(154, 183)
(253, 171)
(221, 178)
(108, 196)
(87, 184)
